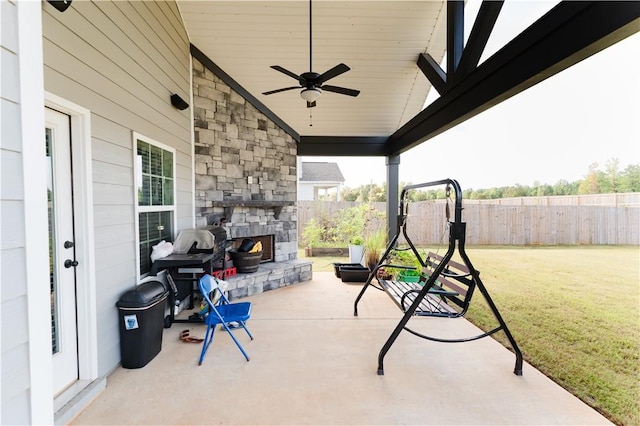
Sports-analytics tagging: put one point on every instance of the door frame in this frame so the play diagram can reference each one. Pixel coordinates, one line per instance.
(84, 243)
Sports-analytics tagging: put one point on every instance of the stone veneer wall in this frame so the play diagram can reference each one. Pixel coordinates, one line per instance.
(234, 142)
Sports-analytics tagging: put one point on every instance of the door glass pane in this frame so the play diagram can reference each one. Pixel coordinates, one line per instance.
(55, 337)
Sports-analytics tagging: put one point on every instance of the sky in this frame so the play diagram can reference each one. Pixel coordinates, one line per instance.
(588, 113)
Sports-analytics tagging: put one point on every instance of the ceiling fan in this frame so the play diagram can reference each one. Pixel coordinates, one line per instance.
(311, 83)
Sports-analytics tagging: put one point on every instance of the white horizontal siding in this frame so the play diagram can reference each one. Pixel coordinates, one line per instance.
(122, 61)
(112, 174)
(118, 215)
(10, 73)
(14, 355)
(10, 138)
(11, 165)
(12, 273)
(12, 213)
(15, 383)
(105, 151)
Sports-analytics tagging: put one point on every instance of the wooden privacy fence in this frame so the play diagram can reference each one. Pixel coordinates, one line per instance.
(512, 223)
(491, 224)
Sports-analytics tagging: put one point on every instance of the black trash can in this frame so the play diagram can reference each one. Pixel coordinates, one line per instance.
(141, 316)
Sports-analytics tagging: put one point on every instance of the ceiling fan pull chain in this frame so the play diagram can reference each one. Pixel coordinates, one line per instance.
(310, 118)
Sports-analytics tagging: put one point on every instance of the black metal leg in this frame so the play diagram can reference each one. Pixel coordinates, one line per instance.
(394, 335)
(374, 273)
(519, 359)
(364, 288)
(411, 310)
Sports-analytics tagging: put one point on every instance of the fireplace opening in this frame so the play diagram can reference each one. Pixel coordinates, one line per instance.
(267, 241)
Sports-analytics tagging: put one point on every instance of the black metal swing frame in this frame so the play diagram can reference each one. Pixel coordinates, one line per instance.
(457, 233)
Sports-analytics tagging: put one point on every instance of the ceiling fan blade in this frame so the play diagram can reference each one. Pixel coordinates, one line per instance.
(280, 90)
(341, 90)
(311, 104)
(333, 72)
(287, 72)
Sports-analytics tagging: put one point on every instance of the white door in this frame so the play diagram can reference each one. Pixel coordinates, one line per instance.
(62, 261)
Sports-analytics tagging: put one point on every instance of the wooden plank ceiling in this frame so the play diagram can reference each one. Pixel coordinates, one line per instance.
(379, 40)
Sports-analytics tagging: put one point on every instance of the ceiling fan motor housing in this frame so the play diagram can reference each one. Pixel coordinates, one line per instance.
(309, 78)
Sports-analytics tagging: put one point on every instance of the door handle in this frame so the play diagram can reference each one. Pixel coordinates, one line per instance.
(68, 244)
(69, 263)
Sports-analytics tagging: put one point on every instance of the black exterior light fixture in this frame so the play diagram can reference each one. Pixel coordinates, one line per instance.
(178, 102)
(61, 5)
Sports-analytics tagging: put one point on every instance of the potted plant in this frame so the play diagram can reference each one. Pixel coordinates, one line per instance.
(407, 258)
(356, 250)
(374, 245)
(409, 276)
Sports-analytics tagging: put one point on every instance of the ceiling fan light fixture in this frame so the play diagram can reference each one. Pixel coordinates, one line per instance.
(310, 95)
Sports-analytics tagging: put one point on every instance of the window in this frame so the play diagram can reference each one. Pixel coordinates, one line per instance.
(155, 197)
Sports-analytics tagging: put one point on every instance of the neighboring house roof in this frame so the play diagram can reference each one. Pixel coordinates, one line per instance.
(321, 172)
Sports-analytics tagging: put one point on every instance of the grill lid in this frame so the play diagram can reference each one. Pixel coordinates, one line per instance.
(202, 238)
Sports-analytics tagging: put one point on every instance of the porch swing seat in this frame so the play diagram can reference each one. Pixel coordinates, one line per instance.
(449, 296)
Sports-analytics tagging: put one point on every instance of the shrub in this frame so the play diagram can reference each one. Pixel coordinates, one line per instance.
(351, 223)
(313, 233)
(346, 226)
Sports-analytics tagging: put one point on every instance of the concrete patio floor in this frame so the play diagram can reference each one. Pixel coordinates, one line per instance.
(313, 363)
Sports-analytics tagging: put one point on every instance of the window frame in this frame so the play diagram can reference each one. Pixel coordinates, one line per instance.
(137, 175)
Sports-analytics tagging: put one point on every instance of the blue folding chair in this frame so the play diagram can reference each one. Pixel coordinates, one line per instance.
(222, 313)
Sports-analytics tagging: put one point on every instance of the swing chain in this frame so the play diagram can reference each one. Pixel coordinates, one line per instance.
(448, 199)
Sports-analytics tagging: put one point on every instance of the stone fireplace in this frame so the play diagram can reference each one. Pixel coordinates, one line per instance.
(245, 175)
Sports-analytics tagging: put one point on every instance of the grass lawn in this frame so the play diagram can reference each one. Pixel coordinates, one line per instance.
(574, 311)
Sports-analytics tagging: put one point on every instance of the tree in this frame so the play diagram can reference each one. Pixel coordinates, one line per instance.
(563, 187)
(595, 182)
(629, 180)
(349, 194)
(590, 183)
(611, 168)
(517, 191)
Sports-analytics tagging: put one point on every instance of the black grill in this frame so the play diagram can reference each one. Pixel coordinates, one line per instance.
(219, 247)
(210, 239)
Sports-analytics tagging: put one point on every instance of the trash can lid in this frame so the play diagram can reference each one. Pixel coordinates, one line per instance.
(144, 295)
